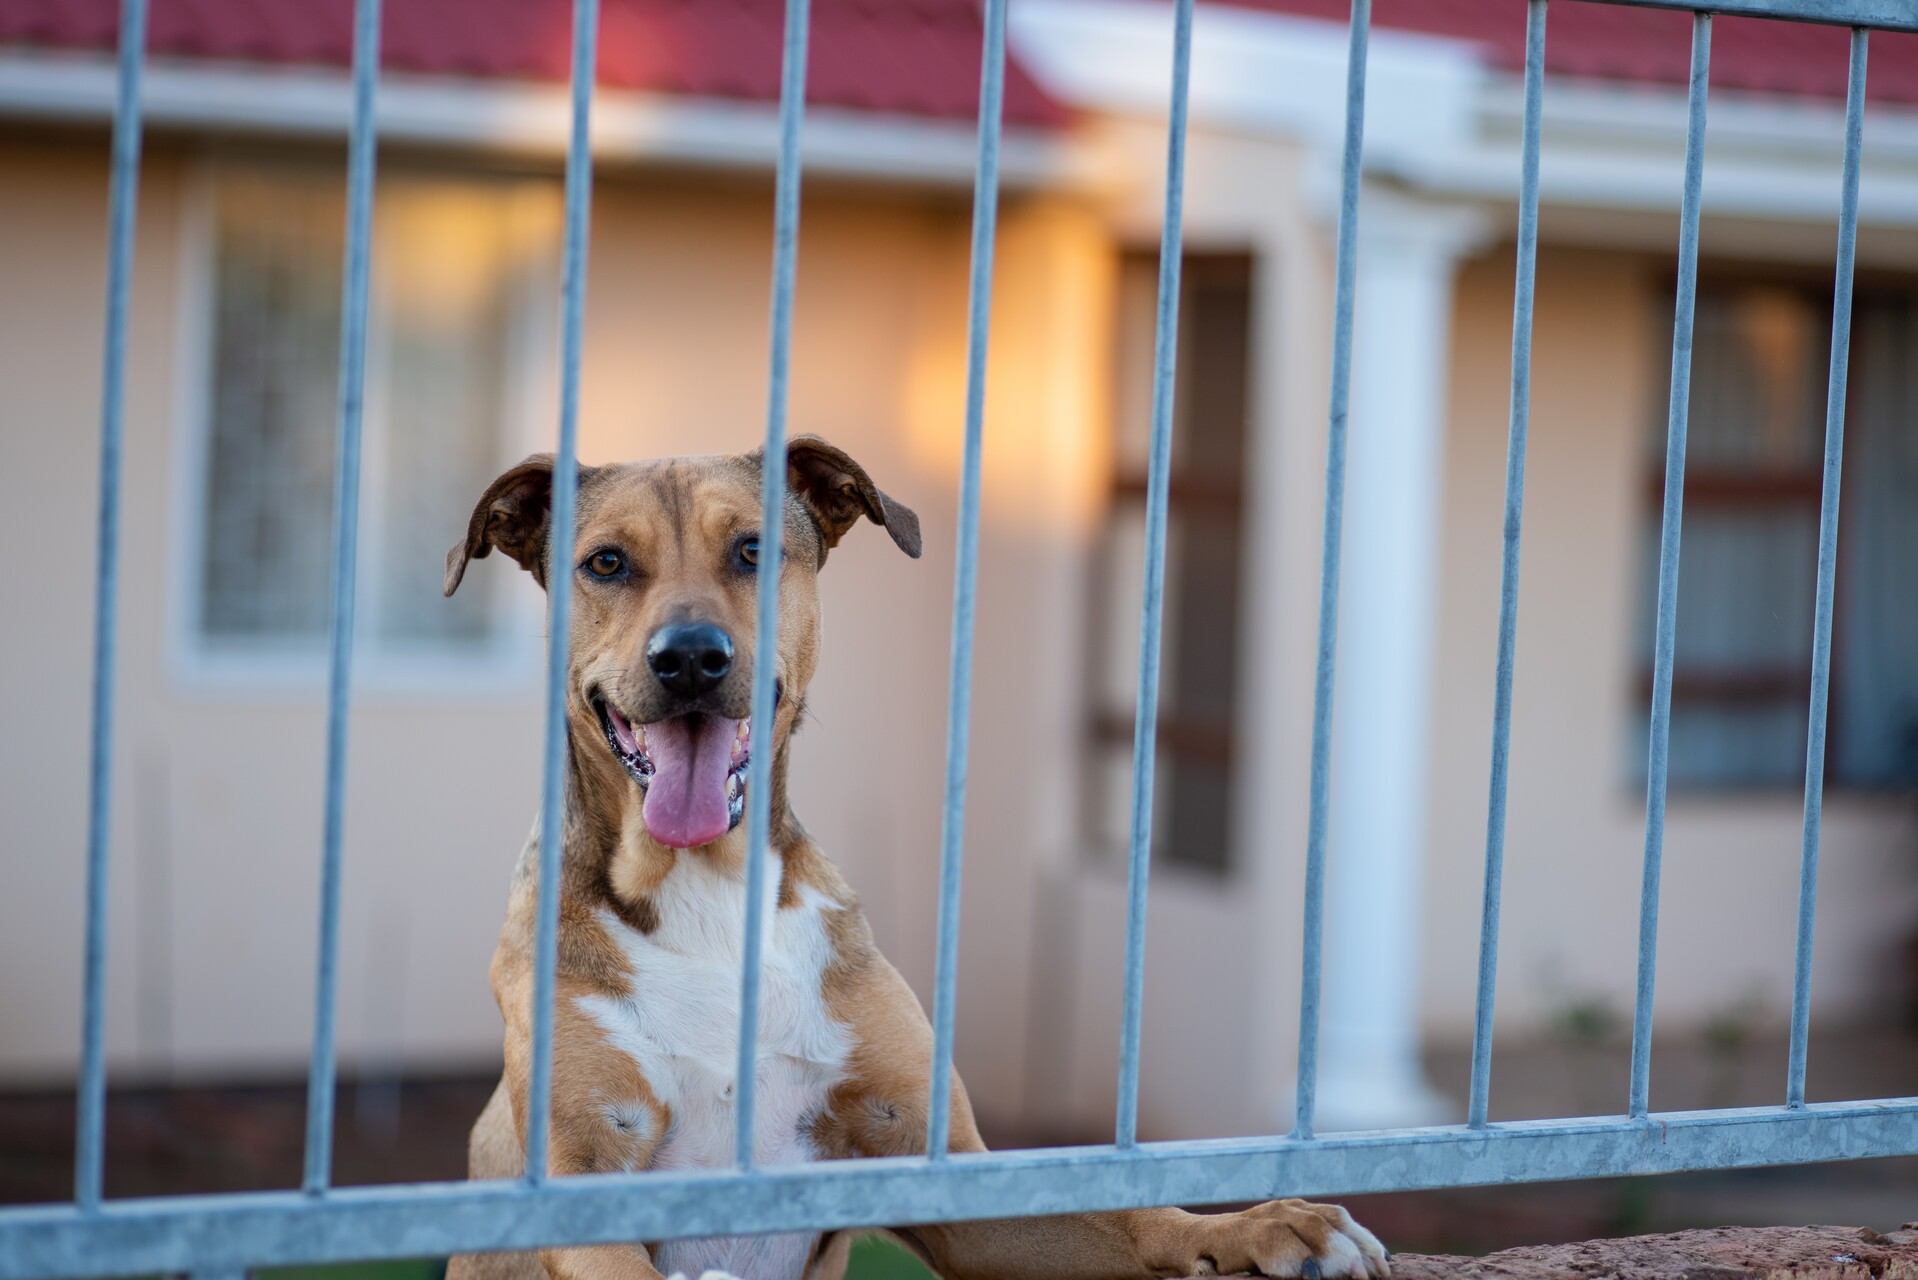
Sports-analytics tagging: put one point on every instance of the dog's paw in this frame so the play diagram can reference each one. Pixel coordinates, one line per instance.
(1291, 1238)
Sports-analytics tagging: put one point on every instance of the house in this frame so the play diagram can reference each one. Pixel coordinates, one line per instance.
(230, 411)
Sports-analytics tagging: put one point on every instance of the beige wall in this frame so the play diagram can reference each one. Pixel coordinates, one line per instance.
(217, 795)
(1576, 829)
(1223, 961)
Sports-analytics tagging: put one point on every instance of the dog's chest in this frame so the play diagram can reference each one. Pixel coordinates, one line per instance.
(680, 1023)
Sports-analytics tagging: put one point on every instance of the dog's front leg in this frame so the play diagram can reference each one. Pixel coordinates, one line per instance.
(604, 1117)
(1278, 1238)
(600, 1262)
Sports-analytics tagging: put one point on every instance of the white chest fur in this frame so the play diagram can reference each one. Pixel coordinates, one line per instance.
(681, 1025)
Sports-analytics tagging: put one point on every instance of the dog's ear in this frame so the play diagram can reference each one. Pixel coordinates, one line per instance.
(512, 515)
(838, 491)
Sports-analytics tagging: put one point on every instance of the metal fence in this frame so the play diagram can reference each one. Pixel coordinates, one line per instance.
(224, 1235)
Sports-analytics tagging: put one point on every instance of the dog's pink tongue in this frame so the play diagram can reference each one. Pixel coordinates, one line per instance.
(686, 803)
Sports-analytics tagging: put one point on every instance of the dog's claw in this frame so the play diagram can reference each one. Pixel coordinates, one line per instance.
(1310, 1269)
(1374, 1259)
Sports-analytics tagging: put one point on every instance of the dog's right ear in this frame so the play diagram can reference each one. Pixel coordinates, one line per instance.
(512, 515)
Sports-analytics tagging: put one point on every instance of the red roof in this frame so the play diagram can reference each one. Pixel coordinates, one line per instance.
(910, 57)
(914, 57)
(1615, 42)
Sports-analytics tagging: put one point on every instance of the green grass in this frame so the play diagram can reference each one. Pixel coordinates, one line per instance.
(404, 1269)
(877, 1258)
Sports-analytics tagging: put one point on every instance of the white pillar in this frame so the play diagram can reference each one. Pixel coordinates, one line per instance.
(1369, 1071)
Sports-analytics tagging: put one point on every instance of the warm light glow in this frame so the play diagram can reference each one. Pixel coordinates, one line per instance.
(443, 250)
(1047, 458)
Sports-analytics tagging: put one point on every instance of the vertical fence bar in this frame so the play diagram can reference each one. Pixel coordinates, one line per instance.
(985, 227)
(1145, 721)
(1827, 567)
(559, 585)
(1310, 981)
(1523, 294)
(362, 148)
(772, 524)
(90, 1134)
(1667, 625)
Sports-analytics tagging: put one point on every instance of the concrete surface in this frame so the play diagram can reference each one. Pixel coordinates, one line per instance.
(1723, 1253)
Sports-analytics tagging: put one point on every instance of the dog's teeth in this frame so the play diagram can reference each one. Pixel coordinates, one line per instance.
(739, 735)
(732, 786)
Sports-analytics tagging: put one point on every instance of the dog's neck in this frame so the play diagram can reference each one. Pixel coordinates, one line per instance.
(610, 856)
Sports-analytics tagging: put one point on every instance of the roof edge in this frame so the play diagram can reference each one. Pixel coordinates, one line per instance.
(530, 119)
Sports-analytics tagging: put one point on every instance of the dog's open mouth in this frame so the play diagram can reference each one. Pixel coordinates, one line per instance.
(691, 767)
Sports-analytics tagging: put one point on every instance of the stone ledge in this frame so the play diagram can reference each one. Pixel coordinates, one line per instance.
(1721, 1253)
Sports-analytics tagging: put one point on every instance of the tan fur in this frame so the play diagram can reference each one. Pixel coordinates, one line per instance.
(679, 522)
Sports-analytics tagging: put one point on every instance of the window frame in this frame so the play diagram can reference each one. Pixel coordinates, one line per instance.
(506, 667)
(1774, 489)
(1104, 726)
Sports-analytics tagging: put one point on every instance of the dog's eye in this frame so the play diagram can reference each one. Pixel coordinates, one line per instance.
(605, 564)
(749, 551)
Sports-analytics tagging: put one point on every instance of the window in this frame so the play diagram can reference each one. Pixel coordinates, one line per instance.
(1192, 811)
(462, 298)
(1742, 669)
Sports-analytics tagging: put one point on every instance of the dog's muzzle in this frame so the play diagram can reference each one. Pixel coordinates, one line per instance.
(692, 768)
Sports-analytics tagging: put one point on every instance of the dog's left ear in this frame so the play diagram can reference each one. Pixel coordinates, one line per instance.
(512, 515)
(838, 491)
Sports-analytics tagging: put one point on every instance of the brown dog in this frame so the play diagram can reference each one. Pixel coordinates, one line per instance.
(652, 907)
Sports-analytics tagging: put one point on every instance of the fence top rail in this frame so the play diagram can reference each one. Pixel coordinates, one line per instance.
(423, 1219)
(1885, 15)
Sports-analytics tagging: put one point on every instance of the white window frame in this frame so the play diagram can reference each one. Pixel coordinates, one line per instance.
(507, 667)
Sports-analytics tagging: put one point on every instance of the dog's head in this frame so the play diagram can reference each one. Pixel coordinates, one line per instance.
(665, 575)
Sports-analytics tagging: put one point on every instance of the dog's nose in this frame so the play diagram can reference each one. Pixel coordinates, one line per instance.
(690, 658)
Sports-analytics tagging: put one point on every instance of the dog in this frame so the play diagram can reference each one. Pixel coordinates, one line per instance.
(652, 894)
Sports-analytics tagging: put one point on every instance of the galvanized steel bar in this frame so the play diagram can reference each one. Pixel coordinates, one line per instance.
(1886, 15)
(559, 585)
(1827, 568)
(122, 205)
(1145, 719)
(952, 838)
(362, 149)
(1345, 273)
(1523, 294)
(772, 525)
(1667, 625)
(351, 1224)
